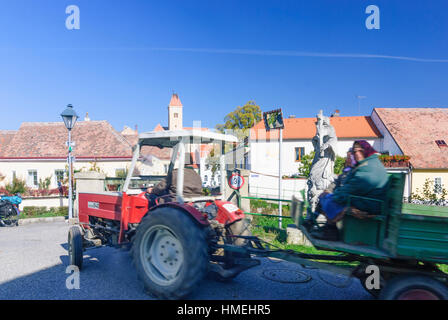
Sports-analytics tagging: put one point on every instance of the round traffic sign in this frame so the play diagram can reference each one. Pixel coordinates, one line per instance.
(236, 181)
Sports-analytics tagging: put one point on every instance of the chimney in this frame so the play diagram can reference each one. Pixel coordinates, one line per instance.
(336, 113)
(86, 118)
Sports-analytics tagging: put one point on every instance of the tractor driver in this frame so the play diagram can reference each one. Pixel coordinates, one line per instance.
(165, 190)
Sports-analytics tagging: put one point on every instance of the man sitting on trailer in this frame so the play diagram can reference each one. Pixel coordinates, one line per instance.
(367, 179)
(166, 189)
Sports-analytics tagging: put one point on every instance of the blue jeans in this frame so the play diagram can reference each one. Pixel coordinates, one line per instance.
(331, 208)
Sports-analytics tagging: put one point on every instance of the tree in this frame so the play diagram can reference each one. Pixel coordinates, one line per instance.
(213, 162)
(429, 196)
(307, 160)
(241, 119)
(339, 164)
(45, 183)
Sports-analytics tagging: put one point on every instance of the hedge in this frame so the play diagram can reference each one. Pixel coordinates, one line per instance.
(33, 211)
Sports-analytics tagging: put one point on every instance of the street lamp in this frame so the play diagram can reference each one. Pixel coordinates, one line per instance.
(69, 116)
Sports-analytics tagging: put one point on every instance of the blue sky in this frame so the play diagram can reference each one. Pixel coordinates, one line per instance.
(129, 56)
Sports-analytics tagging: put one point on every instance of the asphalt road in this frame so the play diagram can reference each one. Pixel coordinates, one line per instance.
(33, 261)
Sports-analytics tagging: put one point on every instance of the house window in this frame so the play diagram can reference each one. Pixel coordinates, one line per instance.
(300, 152)
(438, 185)
(59, 175)
(175, 115)
(441, 143)
(32, 179)
(205, 178)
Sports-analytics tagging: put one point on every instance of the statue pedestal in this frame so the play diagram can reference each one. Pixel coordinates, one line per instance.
(295, 236)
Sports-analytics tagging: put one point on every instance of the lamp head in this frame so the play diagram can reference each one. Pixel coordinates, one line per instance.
(69, 116)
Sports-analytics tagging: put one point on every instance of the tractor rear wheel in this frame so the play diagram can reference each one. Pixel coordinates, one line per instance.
(75, 247)
(170, 253)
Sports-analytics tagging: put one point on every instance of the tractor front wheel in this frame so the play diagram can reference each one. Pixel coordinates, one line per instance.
(75, 247)
(170, 253)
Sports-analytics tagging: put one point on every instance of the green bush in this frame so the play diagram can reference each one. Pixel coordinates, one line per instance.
(267, 207)
(45, 183)
(16, 186)
(35, 211)
(307, 161)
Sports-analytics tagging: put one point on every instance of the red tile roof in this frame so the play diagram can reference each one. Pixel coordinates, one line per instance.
(198, 128)
(159, 128)
(415, 131)
(5, 137)
(305, 128)
(163, 154)
(94, 139)
(175, 100)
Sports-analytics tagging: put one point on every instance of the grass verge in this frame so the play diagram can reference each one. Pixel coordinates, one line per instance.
(43, 212)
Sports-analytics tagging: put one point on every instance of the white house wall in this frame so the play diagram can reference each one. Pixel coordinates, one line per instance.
(264, 156)
(156, 167)
(47, 168)
(388, 142)
(263, 186)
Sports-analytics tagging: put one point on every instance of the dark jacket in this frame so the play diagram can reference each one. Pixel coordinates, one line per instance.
(339, 181)
(192, 184)
(368, 179)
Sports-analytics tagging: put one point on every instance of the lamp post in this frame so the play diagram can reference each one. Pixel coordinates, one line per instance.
(69, 116)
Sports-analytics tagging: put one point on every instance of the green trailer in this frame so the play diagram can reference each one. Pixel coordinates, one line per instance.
(407, 243)
(403, 246)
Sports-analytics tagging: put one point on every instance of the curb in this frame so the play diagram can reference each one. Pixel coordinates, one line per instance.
(39, 220)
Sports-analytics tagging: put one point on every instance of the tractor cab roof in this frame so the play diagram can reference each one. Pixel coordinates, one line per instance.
(168, 139)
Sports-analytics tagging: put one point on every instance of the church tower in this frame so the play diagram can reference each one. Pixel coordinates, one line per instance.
(175, 113)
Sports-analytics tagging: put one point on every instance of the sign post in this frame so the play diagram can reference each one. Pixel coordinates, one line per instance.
(274, 120)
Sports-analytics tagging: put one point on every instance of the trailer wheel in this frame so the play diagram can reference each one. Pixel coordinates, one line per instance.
(75, 248)
(170, 253)
(414, 287)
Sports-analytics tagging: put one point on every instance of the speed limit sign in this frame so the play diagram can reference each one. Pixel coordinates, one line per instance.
(236, 181)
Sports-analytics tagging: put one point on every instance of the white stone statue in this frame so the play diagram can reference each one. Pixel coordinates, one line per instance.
(322, 168)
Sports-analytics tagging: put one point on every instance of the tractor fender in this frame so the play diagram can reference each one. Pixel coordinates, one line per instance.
(197, 216)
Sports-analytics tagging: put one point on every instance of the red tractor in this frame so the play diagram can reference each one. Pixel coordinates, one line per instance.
(174, 244)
